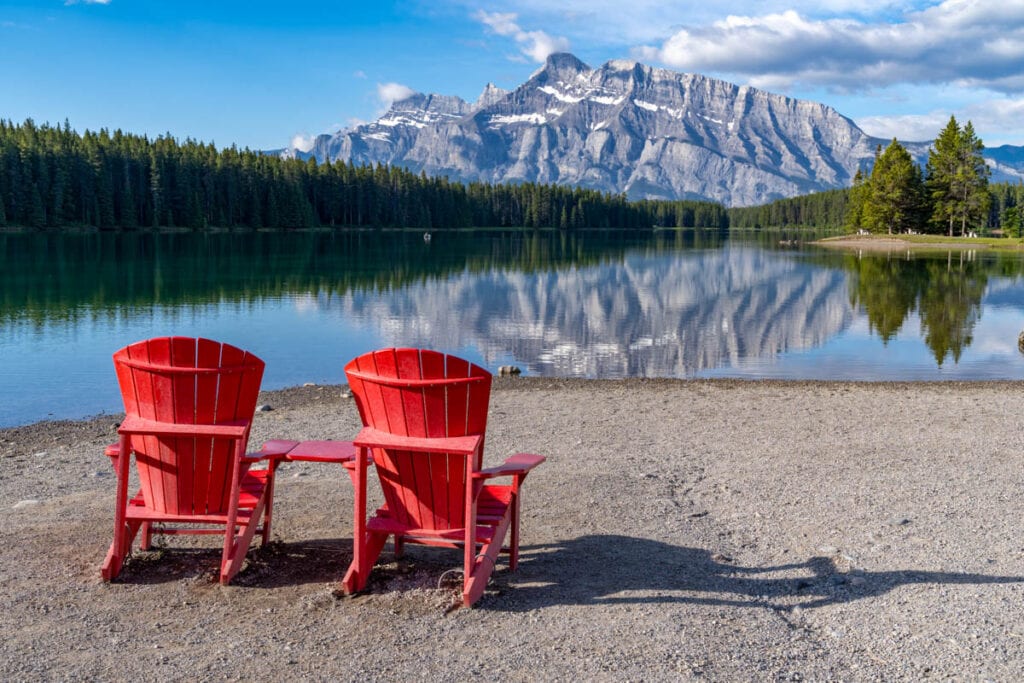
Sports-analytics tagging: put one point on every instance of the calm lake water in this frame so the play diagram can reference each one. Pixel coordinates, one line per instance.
(588, 304)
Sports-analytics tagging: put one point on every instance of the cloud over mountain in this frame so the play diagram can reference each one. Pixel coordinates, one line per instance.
(978, 43)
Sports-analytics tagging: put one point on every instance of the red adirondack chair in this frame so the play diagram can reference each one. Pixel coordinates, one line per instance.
(424, 415)
(189, 405)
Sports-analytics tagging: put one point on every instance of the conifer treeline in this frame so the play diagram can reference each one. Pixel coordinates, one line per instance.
(819, 210)
(828, 210)
(52, 177)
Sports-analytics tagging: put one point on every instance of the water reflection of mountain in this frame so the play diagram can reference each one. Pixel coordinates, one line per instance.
(647, 315)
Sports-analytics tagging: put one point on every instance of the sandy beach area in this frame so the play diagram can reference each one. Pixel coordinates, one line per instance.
(680, 530)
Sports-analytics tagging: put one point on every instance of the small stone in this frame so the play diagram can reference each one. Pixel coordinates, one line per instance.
(309, 384)
(25, 503)
(41, 454)
(509, 371)
(264, 408)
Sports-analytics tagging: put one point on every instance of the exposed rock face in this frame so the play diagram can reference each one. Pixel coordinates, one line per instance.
(625, 127)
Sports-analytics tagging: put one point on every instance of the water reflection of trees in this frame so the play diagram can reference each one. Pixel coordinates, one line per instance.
(945, 292)
(50, 277)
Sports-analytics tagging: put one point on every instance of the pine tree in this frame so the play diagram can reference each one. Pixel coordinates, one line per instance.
(971, 180)
(896, 192)
(859, 194)
(957, 177)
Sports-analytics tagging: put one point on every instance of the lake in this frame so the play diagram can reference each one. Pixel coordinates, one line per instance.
(602, 304)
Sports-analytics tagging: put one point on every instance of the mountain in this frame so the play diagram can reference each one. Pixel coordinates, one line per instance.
(626, 127)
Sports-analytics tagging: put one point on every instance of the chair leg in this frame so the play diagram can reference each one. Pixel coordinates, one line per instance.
(474, 584)
(119, 550)
(359, 571)
(146, 540)
(236, 546)
(513, 549)
(269, 511)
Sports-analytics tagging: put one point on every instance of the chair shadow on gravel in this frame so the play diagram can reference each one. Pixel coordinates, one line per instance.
(272, 566)
(610, 569)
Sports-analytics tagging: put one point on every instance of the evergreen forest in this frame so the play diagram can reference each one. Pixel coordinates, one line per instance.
(951, 195)
(52, 177)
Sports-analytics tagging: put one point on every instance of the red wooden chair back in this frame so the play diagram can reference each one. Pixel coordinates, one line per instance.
(185, 381)
(422, 393)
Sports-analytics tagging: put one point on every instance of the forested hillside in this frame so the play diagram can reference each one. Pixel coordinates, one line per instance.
(53, 177)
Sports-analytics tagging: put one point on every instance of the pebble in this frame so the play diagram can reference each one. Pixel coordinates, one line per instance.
(264, 408)
(25, 503)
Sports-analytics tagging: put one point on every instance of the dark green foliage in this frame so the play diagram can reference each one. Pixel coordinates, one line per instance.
(894, 199)
(52, 177)
(958, 178)
(819, 210)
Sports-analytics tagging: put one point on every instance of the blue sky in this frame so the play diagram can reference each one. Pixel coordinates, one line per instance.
(262, 73)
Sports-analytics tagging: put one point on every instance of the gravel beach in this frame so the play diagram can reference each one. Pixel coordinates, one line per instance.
(679, 530)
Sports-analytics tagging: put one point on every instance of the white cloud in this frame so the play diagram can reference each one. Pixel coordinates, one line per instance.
(358, 73)
(999, 119)
(906, 127)
(389, 93)
(303, 142)
(86, 2)
(972, 43)
(536, 45)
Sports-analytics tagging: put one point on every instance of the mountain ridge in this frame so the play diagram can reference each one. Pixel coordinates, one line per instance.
(627, 127)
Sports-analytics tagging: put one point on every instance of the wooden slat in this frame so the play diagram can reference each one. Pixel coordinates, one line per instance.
(435, 412)
(183, 354)
(222, 453)
(406, 383)
(375, 438)
(229, 430)
(144, 446)
(162, 464)
(207, 354)
(409, 366)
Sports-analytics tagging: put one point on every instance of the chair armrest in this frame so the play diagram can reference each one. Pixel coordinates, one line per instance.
(464, 445)
(520, 463)
(137, 425)
(112, 451)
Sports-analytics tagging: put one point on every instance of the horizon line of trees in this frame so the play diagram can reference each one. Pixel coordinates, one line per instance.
(52, 177)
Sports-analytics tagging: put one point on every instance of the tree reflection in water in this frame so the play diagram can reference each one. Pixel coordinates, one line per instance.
(945, 293)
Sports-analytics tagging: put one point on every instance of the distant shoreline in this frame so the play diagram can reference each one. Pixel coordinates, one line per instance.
(889, 243)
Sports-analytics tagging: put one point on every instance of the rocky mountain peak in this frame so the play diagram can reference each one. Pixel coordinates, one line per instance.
(624, 128)
(561, 66)
(490, 95)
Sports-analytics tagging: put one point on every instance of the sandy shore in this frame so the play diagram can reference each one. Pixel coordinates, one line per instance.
(885, 244)
(679, 530)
